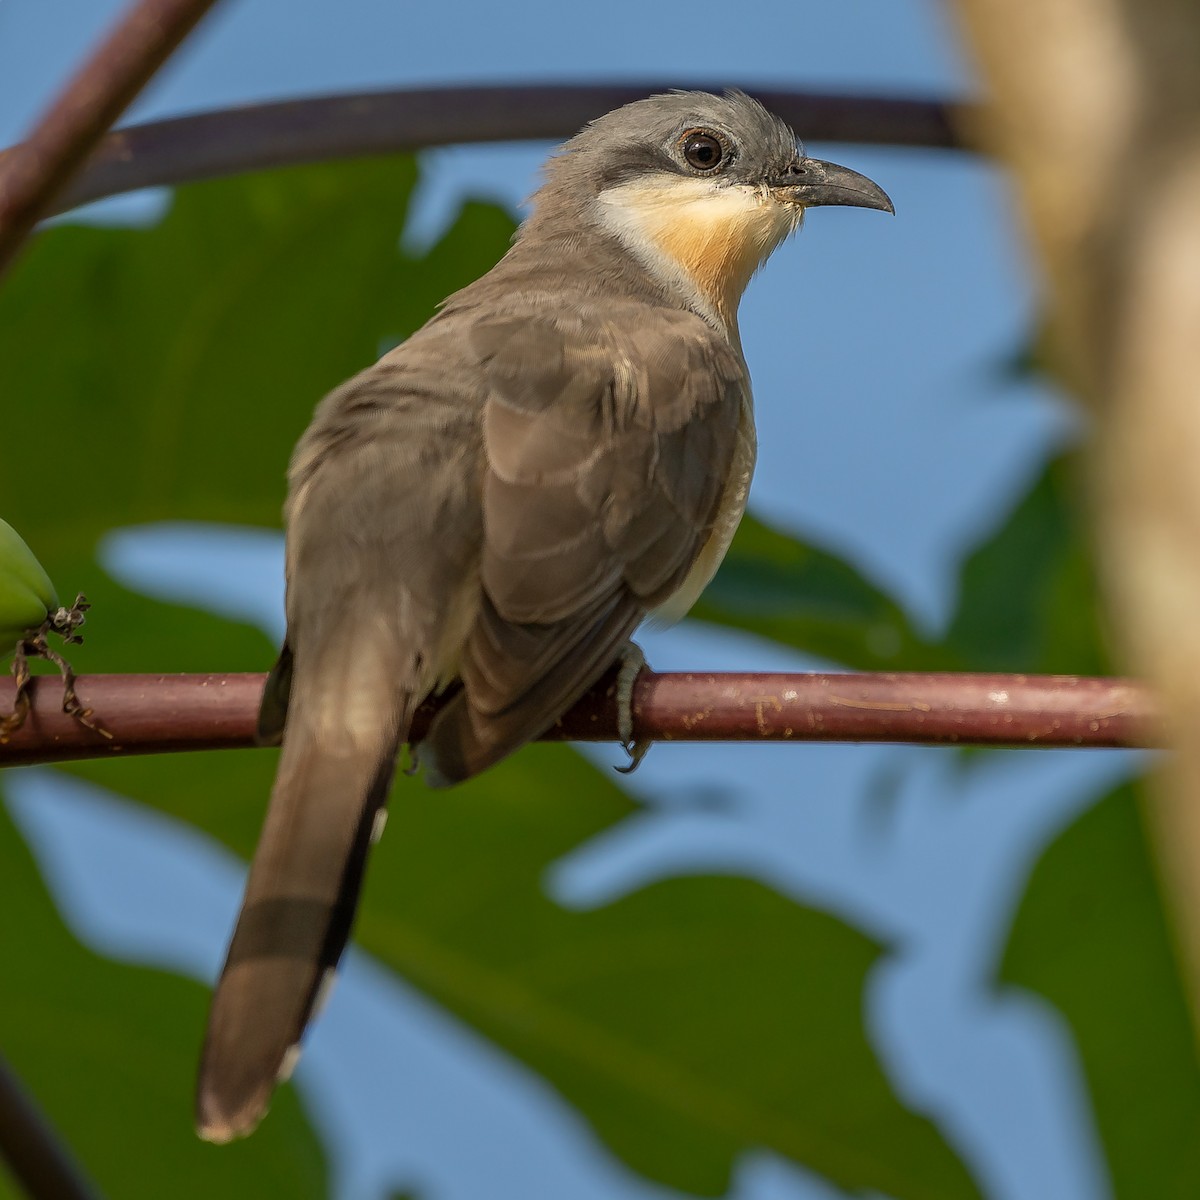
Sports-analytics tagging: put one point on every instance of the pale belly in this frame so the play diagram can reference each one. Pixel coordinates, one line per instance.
(729, 515)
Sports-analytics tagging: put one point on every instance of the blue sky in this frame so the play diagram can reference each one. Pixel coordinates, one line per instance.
(899, 444)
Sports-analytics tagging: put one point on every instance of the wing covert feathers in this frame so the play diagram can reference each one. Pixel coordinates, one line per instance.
(607, 452)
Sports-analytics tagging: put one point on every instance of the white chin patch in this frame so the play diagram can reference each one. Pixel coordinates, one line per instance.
(703, 237)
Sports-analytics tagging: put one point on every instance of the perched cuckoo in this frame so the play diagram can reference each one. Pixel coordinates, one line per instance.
(491, 510)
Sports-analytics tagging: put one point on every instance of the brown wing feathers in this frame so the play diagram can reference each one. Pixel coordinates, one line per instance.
(602, 484)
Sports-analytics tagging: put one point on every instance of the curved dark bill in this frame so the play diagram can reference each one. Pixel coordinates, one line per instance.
(811, 182)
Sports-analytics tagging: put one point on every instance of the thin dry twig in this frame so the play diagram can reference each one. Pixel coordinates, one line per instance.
(319, 128)
(31, 1148)
(149, 714)
(34, 173)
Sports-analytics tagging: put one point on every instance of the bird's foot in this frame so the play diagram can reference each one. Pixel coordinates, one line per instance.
(632, 663)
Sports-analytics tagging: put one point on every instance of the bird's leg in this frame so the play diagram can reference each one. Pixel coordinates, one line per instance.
(14, 720)
(632, 662)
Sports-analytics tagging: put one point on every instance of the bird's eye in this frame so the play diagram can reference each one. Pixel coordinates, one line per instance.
(702, 151)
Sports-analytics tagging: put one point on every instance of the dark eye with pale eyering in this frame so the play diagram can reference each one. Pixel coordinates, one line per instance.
(702, 150)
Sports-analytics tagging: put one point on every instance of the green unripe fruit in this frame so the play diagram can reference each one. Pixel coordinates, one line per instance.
(27, 596)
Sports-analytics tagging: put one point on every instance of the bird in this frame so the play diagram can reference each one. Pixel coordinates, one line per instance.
(490, 511)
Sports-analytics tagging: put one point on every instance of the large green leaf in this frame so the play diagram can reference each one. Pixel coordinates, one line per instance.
(1090, 935)
(778, 587)
(1090, 938)
(1028, 597)
(689, 1021)
(109, 1053)
(167, 372)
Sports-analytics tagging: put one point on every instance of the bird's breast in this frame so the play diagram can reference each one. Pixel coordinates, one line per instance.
(730, 509)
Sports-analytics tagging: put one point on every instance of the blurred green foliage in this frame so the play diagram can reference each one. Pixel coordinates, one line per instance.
(1089, 937)
(173, 368)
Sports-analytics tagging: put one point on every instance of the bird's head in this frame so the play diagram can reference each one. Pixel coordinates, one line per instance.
(700, 188)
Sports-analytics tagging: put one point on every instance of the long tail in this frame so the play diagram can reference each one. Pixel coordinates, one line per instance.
(335, 771)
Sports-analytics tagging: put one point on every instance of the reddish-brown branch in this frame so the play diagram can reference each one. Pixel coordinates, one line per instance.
(150, 714)
(34, 173)
(317, 128)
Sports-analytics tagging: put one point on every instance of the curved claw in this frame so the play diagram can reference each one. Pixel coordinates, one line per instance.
(632, 663)
(636, 751)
